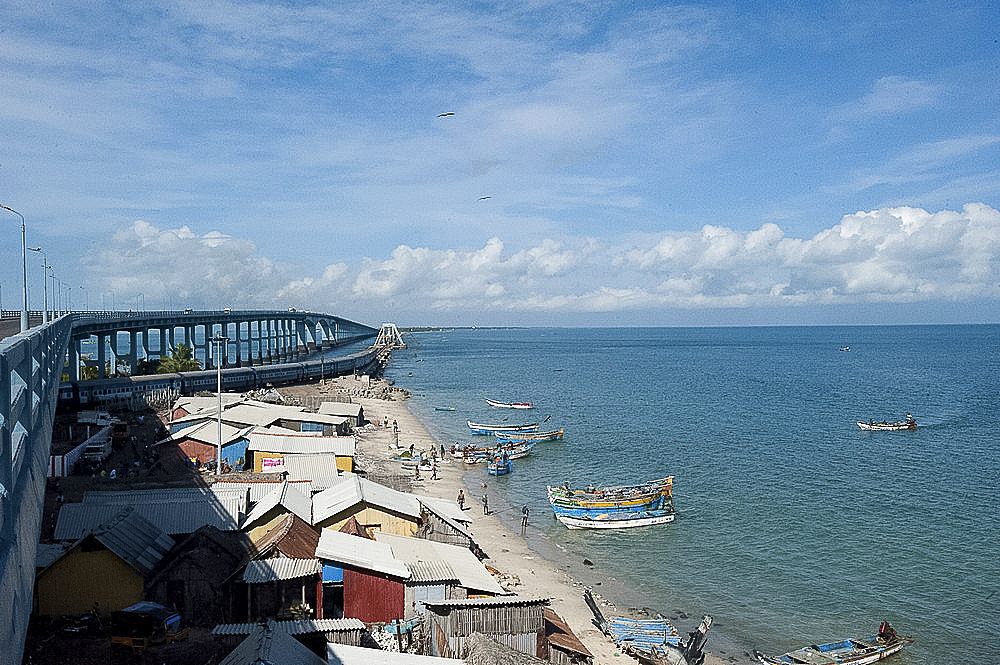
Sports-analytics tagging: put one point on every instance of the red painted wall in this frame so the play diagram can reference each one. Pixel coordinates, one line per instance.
(371, 598)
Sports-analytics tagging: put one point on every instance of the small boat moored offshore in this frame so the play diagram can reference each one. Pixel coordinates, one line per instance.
(509, 405)
(444, 408)
(490, 430)
(886, 426)
(847, 652)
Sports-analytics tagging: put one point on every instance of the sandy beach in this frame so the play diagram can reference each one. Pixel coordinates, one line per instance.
(508, 552)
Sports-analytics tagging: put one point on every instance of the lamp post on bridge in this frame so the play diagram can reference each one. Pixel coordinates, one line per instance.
(24, 270)
(45, 283)
(219, 340)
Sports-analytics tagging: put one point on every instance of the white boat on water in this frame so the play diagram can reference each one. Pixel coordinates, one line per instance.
(509, 405)
(886, 426)
(618, 520)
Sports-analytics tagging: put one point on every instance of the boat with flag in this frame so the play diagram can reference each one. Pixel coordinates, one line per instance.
(846, 652)
(612, 500)
(490, 430)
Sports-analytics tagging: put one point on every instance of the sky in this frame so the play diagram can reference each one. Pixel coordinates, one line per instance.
(506, 163)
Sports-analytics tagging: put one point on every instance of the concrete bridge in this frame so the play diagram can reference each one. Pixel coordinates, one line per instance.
(32, 364)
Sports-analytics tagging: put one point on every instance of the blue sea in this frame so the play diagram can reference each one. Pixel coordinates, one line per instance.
(794, 526)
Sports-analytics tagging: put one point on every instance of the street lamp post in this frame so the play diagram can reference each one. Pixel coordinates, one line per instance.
(24, 270)
(45, 283)
(219, 340)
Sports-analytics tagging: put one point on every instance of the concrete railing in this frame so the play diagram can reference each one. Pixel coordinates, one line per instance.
(31, 365)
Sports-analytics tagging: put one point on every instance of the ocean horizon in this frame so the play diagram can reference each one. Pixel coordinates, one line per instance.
(794, 526)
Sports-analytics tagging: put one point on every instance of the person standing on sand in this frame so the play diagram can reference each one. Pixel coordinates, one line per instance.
(461, 500)
(524, 516)
(434, 471)
(486, 504)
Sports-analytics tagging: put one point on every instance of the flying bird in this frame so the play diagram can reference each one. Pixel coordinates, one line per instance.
(445, 115)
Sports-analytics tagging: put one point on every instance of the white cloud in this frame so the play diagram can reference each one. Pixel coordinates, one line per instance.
(896, 255)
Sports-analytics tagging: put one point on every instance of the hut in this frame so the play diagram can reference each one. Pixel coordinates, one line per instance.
(191, 577)
(517, 622)
(124, 549)
(315, 634)
(375, 506)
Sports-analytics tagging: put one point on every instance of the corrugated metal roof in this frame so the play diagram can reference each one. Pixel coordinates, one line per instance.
(220, 493)
(207, 431)
(341, 409)
(351, 490)
(134, 539)
(345, 654)
(447, 510)
(176, 515)
(292, 537)
(284, 443)
(259, 571)
(345, 549)
(426, 558)
(286, 496)
(269, 645)
(300, 627)
(495, 601)
(261, 488)
(319, 468)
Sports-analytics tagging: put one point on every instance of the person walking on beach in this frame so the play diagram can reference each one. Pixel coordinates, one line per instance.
(524, 516)
(434, 471)
(486, 504)
(461, 500)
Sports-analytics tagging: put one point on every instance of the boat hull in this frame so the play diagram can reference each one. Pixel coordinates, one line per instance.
(510, 405)
(490, 430)
(625, 520)
(847, 652)
(887, 427)
(518, 437)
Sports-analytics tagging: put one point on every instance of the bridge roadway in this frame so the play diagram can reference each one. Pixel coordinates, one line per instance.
(32, 364)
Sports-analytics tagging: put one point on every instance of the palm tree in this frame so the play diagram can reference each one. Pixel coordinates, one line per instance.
(180, 360)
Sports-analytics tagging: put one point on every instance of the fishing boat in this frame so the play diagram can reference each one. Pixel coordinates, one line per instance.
(499, 465)
(618, 520)
(652, 641)
(490, 430)
(514, 437)
(847, 652)
(620, 499)
(886, 426)
(444, 408)
(474, 454)
(509, 405)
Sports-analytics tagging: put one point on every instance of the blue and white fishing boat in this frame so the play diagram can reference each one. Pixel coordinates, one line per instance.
(491, 430)
(618, 520)
(846, 652)
(612, 501)
(500, 465)
(517, 437)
